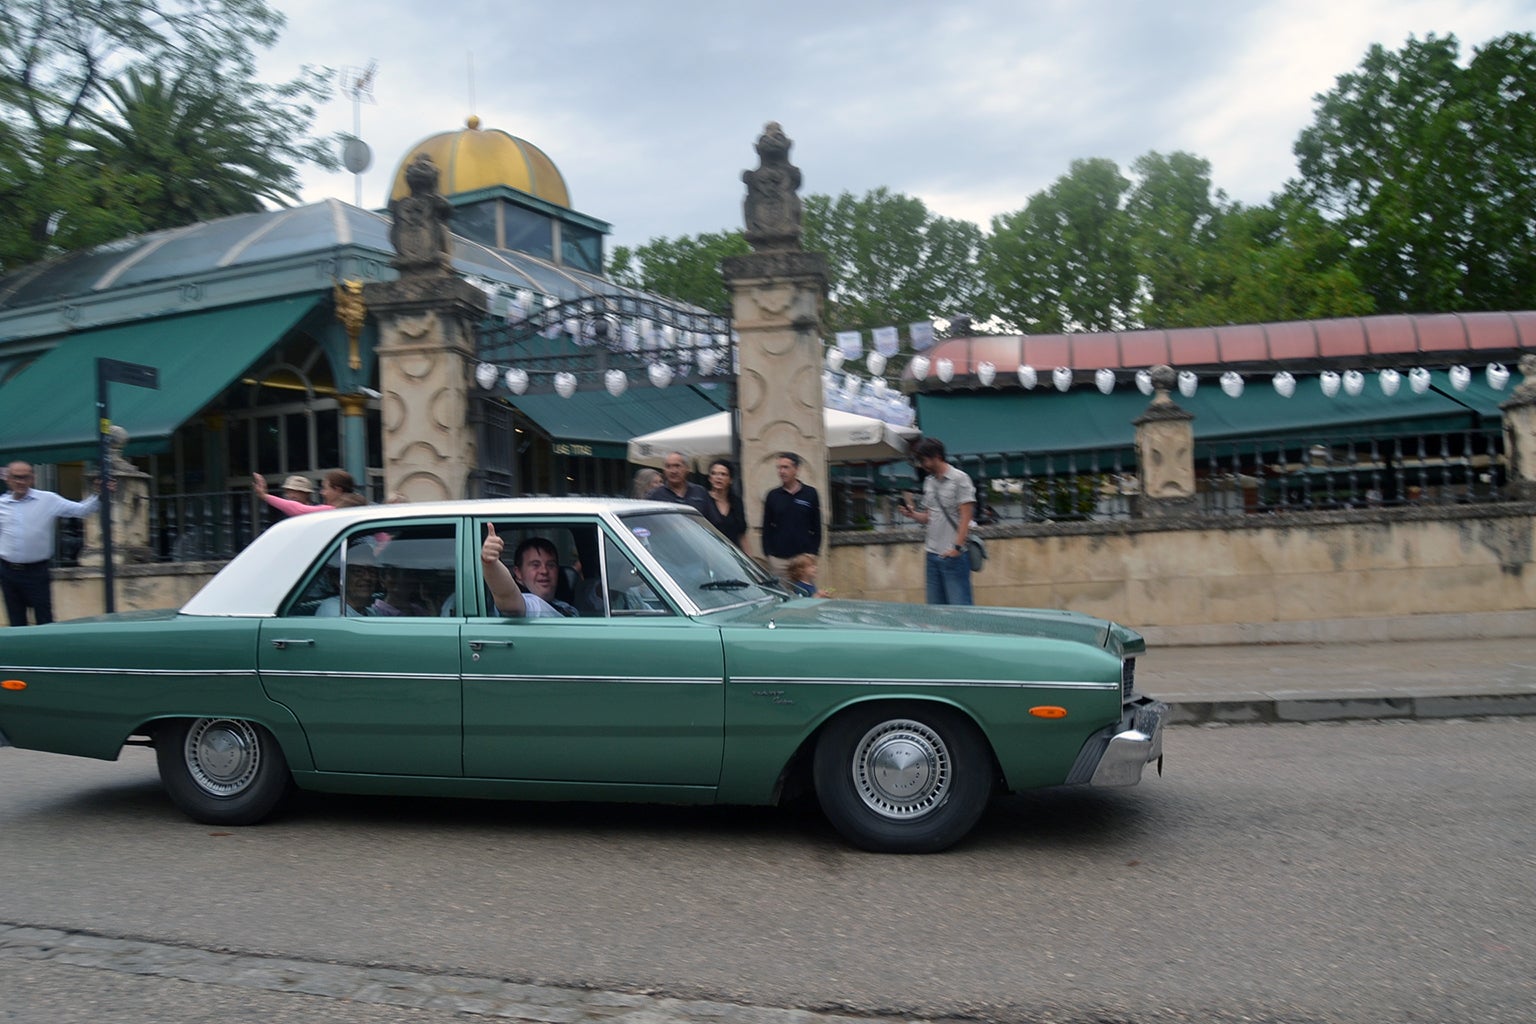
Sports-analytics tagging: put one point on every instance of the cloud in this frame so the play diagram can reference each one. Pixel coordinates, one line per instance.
(650, 110)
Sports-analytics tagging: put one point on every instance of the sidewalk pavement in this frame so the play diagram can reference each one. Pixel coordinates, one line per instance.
(1320, 682)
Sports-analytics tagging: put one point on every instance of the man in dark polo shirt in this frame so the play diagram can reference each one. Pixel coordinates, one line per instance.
(791, 518)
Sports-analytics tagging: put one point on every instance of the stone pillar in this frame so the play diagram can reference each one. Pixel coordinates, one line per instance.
(130, 511)
(1520, 433)
(1165, 452)
(777, 292)
(426, 349)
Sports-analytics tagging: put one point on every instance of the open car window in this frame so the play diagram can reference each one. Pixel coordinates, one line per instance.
(563, 562)
(404, 571)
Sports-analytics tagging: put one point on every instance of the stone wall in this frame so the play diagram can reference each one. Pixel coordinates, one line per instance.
(77, 592)
(1378, 574)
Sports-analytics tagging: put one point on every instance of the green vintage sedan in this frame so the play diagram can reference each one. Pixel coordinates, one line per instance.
(361, 651)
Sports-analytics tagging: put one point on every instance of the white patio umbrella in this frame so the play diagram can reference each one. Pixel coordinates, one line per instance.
(850, 438)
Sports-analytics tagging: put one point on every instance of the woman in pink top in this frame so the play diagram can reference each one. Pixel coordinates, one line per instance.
(336, 484)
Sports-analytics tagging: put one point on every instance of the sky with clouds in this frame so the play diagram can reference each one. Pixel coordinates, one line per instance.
(650, 107)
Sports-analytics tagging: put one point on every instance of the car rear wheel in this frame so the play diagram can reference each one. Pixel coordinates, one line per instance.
(909, 778)
(222, 771)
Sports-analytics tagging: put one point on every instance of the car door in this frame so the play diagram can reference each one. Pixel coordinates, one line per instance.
(628, 692)
(366, 658)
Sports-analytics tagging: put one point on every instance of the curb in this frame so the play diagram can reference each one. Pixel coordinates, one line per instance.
(1188, 709)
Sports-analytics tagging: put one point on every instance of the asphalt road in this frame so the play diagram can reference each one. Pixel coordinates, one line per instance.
(1376, 871)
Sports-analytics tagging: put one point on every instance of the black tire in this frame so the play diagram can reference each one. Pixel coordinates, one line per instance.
(222, 771)
(903, 778)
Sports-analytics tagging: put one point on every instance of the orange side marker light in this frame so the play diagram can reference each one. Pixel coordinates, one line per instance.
(1048, 711)
(13, 684)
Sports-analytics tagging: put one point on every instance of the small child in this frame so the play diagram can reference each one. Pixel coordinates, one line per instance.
(802, 576)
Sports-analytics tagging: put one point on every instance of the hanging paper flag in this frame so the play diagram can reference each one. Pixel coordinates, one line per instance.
(1498, 376)
(517, 380)
(1328, 380)
(660, 374)
(1062, 378)
(834, 359)
(886, 341)
(1104, 380)
(517, 309)
(707, 359)
(850, 344)
(875, 362)
(1028, 378)
(1390, 380)
(1285, 384)
(944, 369)
(1460, 377)
(986, 373)
(486, 374)
(1419, 379)
(565, 384)
(1188, 382)
(1232, 384)
(919, 366)
(1354, 382)
(615, 382)
(1144, 381)
(921, 334)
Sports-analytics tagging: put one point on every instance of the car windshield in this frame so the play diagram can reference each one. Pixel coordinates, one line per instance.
(714, 572)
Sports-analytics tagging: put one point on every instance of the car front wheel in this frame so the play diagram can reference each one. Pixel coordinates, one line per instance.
(903, 779)
(222, 771)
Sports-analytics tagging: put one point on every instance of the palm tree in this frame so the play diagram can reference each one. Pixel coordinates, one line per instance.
(181, 151)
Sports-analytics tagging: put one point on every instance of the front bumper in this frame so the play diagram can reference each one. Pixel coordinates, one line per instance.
(1115, 756)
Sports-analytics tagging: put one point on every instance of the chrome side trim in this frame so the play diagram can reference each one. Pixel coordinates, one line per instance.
(1020, 684)
(636, 680)
(288, 673)
(157, 672)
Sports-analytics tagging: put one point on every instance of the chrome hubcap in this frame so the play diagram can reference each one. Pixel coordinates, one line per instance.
(222, 755)
(901, 769)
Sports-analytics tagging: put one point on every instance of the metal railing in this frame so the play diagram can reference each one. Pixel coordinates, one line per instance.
(204, 526)
(1319, 473)
(1315, 473)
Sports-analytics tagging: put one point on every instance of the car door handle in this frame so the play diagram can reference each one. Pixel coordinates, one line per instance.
(480, 645)
(283, 643)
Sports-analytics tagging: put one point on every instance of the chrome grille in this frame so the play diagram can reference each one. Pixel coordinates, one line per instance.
(1127, 678)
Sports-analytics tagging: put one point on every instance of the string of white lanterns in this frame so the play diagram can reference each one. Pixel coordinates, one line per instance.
(1351, 383)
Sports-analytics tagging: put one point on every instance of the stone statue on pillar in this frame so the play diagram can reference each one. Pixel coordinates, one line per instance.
(1520, 432)
(130, 510)
(426, 349)
(419, 231)
(777, 294)
(1165, 451)
(772, 206)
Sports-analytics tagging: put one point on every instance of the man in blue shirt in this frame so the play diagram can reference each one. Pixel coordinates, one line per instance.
(27, 517)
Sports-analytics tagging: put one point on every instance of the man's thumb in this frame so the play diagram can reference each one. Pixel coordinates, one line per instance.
(490, 530)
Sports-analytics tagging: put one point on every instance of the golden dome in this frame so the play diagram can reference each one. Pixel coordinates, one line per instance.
(471, 159)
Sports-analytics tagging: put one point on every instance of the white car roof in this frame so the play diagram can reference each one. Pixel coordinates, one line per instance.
(257, 580)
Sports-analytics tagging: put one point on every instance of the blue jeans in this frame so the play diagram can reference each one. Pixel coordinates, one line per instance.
(949, 579)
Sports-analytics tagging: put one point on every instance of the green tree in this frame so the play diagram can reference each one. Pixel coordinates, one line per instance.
(1280, 261)
(685, 268)
(59, 60)
(1175, 220)
(1429, 169)
(891, 261)
(1065, 262)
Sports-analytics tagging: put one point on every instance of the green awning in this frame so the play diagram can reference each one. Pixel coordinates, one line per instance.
(1049, 422)
(604, 423)
(48, 411)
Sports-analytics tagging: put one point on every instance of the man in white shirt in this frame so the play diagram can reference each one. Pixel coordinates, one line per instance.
(27, 517)
(538, 569)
